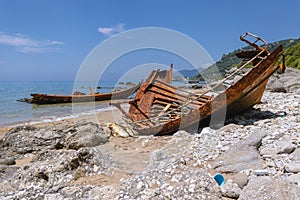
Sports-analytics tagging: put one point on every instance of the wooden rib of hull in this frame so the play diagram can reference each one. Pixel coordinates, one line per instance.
(237, 98)
(54, 99)
(144, 97)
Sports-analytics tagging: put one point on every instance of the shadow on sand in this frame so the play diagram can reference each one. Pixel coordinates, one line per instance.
(249, 117)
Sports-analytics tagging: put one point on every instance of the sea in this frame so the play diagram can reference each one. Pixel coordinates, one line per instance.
(16, 112)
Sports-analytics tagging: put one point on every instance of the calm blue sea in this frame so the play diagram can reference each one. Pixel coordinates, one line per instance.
(13, 111)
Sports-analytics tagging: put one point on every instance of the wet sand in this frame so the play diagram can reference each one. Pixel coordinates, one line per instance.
(101, 118)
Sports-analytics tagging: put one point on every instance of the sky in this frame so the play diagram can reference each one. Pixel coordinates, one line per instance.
(50, 39)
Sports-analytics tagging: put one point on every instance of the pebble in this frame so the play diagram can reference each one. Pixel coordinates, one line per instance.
(296, 154)
(261, 172)
(241, 179)
(231, 190)
(293, 167)
(294, 178)
(285, 147)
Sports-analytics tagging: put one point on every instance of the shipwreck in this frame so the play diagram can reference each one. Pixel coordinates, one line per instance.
(38, 98)
(160, 108)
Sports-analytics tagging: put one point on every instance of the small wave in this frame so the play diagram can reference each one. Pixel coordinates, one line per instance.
(55, 118)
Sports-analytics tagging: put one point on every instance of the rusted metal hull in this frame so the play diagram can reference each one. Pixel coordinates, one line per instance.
(160, 108)
(54, 99)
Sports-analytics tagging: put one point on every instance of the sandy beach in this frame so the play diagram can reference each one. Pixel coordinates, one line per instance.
(101, 118)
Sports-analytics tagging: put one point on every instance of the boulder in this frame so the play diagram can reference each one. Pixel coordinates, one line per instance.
(286, 82)
(241, 156)
(87, 135)
(269, 188)
(210, 136)
(7, 161)
(28, 139)
(277, 87)
(53, 168)
(156, 157)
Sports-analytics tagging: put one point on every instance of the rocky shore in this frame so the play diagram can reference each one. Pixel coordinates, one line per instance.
(258, 153)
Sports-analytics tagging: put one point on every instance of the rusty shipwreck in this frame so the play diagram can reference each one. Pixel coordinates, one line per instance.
(160, 108)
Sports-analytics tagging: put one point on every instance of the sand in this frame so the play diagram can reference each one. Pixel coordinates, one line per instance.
(101, 118)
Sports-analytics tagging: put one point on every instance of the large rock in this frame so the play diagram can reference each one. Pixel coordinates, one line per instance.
(276, 86)
(7, 161)
(52, 168)
(241, 156)
(28, 139)
(51, 174)
(210, 136)
(156, 157)
(286, 82)
(87, 135)
(268, 188)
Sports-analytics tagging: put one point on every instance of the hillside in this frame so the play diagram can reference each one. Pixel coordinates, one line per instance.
(189, 73)
(292, 47)
(293, 56)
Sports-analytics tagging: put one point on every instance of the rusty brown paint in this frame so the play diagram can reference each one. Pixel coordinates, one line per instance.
(240, 96)
(53, 99)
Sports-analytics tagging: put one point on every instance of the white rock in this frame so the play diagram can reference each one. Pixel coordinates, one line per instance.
(294, 178)
(285, 147)
(140, 185)
(170, 188)
(261, 172)
(296, 154)
(293, 167)
(192, 188)
(168, 170)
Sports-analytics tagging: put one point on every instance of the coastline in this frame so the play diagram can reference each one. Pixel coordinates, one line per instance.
(59, 159)
(102, 117)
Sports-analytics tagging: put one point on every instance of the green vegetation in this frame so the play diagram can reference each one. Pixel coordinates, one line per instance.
(291, 46)
(293, 56)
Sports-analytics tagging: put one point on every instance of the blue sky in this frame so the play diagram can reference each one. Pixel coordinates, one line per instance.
(48, 40)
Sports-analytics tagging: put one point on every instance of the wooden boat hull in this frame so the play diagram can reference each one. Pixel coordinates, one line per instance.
(54, 99)
(237, 98)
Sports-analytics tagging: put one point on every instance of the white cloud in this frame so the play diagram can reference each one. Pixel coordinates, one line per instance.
(109, 31)
(28, 45)
(16, 40)
(37, 49)
(49, 42)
